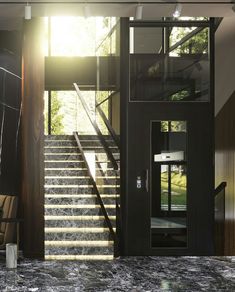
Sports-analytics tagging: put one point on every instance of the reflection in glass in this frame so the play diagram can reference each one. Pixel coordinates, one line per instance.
(169, 64)
(169, 184)
(173, 187)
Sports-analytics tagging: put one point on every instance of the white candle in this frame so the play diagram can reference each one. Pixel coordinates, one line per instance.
(11, 255)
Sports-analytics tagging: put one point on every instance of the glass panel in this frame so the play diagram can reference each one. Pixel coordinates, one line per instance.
(173, 187)
(45, 112)
(169, 184)
(68, 114)
(164, 187)
(169, 64)
(146, 41)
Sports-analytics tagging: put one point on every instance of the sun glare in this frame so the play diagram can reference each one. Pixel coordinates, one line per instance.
(77, 36)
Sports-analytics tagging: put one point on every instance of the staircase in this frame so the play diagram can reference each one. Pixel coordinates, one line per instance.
(75, 228)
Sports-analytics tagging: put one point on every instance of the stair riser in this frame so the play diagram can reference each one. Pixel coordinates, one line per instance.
(74, 164)
(79, 250)
(67, 150)
(77, 211)
(76, 173)
(97, 143)
(77, 201)
(74, 143)
(78, 191)
(71, 137)
(77, 236)
(80, 181)
(75, 150)
(59, 137)
(61, 142)
(77, 223)
(65, 164)
(76, 157)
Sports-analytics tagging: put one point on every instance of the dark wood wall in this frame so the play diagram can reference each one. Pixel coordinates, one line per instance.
(225, 167)
(32, 190)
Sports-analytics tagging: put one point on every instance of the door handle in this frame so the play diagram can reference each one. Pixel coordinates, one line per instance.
(147, 180)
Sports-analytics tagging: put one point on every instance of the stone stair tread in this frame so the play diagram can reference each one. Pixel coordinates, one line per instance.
(80, 196)
(76, 229)
(82, 243)
(72, 177)
(83, 206)
(82, 217)
(79, 257)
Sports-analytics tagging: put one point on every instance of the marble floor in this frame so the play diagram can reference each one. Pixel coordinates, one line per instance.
(125, 274)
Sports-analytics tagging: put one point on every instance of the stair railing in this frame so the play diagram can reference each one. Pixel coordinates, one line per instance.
(96, 128)
(115, 164)
(107, 220)
(108, 125)
(219, 196)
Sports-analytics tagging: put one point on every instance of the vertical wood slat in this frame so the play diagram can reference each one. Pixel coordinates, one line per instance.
(32, 180)
(225, 167)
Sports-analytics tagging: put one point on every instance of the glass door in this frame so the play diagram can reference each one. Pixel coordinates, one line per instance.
(169, 184)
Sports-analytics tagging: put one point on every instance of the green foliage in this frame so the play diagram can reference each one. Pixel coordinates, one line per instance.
(179, 95)
(178, 188)
(56, 117)
(174, 126)
(198, 44)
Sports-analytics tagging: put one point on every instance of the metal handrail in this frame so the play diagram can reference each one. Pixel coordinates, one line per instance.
(186, 38)
(107, 98)
(96, 128)
(220, 188)
(109, 224)
(107, 35)
(109, 127)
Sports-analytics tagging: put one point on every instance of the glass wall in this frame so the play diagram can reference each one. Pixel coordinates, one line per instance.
(67, 113)
(75, 36)
(98, 39)
(169, 63)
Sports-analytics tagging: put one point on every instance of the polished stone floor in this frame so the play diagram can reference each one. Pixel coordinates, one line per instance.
(126, 274)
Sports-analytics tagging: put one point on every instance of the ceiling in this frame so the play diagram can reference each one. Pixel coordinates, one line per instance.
(117, 8)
